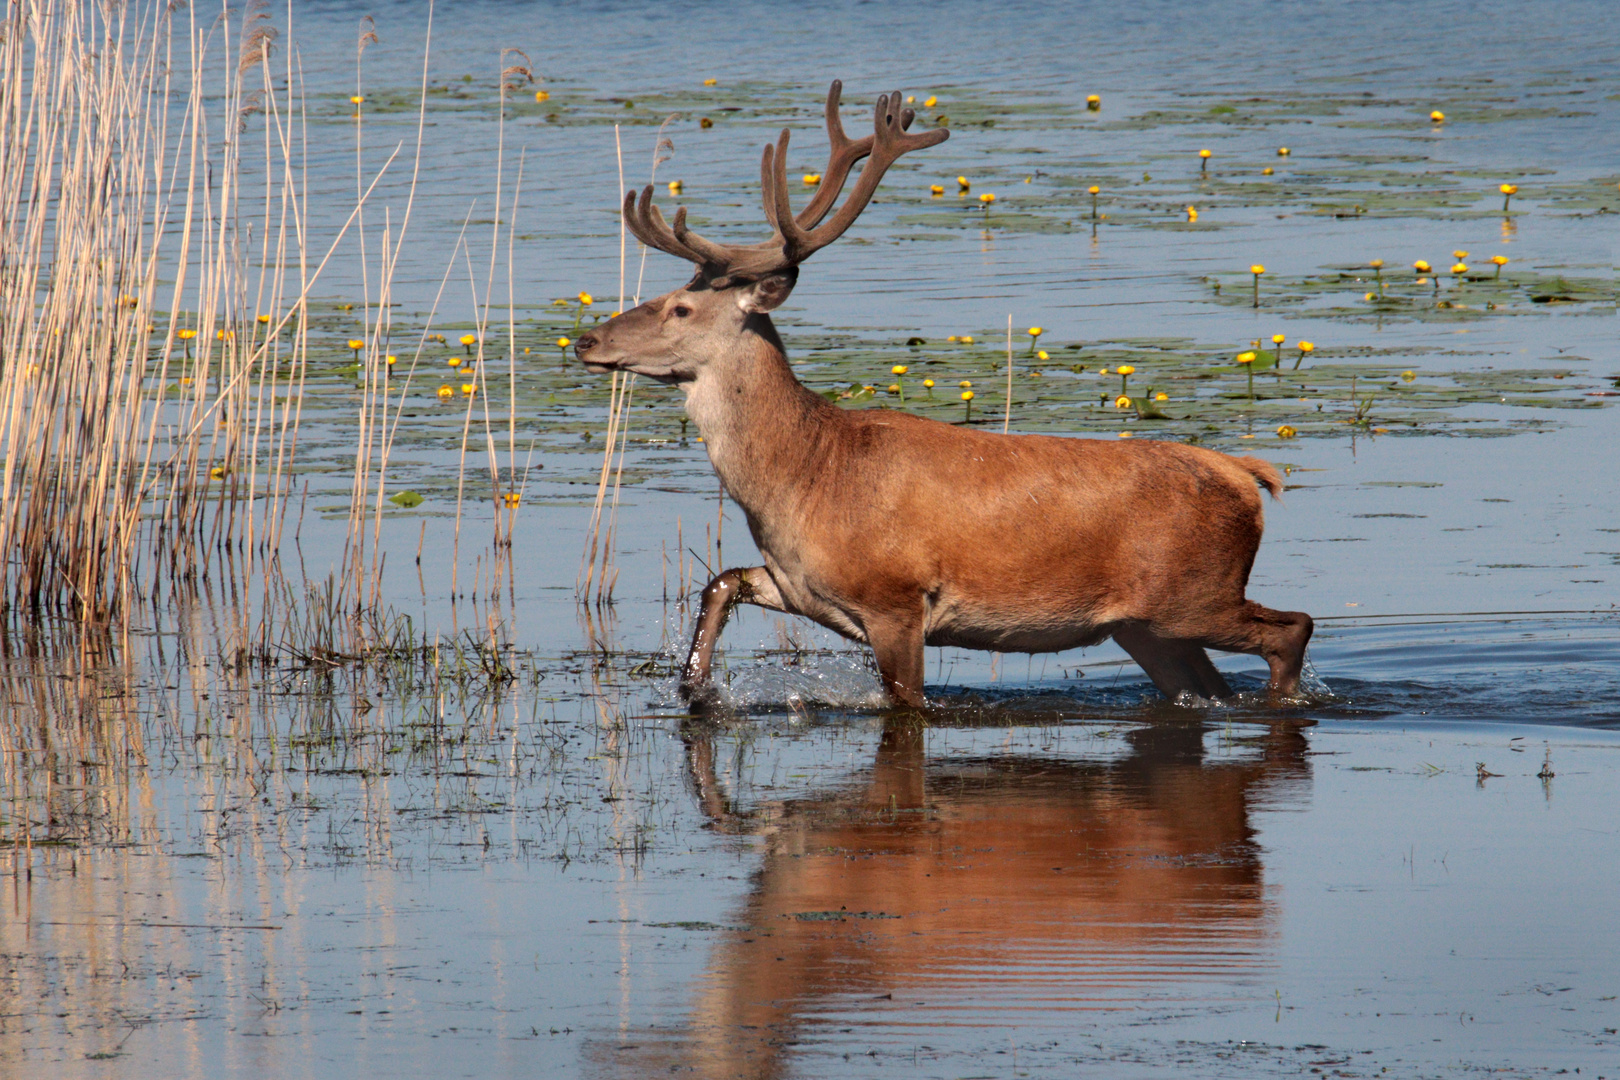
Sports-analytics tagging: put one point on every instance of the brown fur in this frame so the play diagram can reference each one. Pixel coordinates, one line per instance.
(900, 531)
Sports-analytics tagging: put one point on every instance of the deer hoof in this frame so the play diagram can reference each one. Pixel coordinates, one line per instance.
(700, 698)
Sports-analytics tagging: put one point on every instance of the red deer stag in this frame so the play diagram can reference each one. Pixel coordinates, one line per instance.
(903, 532)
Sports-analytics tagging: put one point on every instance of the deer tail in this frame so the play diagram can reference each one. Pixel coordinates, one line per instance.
(1266, 473)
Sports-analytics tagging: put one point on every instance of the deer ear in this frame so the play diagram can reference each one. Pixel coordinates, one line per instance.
(768, 293)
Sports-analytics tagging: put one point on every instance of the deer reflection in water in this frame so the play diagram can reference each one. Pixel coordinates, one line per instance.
(1019, 881)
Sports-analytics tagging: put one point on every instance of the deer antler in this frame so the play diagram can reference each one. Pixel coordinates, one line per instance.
(794, 237)
(889, 123)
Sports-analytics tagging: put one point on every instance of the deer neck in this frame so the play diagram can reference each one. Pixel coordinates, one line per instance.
(757, 420)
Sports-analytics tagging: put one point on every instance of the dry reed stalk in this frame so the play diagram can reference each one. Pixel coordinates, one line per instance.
(619, 400)
(594, 530)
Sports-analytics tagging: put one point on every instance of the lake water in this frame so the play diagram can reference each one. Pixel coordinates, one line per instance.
(414, 869)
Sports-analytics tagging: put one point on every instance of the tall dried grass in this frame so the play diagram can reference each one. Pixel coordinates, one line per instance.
(155, 266)
(139, 419)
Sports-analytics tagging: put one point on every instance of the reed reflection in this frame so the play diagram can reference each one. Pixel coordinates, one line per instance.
(977, 886)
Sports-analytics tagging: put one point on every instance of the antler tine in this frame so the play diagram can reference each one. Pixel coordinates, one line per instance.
(773, 184)
(889, 142)
(709, 253)
(647, 225)
(842, 154)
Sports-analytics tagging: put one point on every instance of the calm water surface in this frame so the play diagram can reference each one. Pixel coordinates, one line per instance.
(1412, 875)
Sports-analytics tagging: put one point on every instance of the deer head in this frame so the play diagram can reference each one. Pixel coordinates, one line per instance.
(675, 337)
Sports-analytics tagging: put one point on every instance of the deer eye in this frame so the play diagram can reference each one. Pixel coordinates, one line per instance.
(682, 311)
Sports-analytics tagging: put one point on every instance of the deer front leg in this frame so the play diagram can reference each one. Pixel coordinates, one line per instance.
(898, 646)
(732, 587)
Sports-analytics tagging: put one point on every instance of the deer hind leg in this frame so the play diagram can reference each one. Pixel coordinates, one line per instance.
(1279, 637)
(730, 588)
(1176, 666)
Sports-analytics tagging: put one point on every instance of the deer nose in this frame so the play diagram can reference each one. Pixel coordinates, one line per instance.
(585, 343)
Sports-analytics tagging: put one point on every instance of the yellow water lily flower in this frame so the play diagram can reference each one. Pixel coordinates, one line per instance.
(1125, 369)
(931, 102)
(899, 369)
(1122, 402)
(1437, 116)
(811, 179)
(541, 96)
(987, 198)
(936, 190)
(967, 395)
(446, 392)
(1036, 331)
(1161, 396)
(586, 299)
(675, 187)
(563, 342)
(1286, 431)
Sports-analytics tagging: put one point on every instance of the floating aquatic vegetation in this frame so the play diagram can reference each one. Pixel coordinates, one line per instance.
(1343, 293)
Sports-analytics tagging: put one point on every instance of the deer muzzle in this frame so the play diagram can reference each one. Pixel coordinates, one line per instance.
(582, 349)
